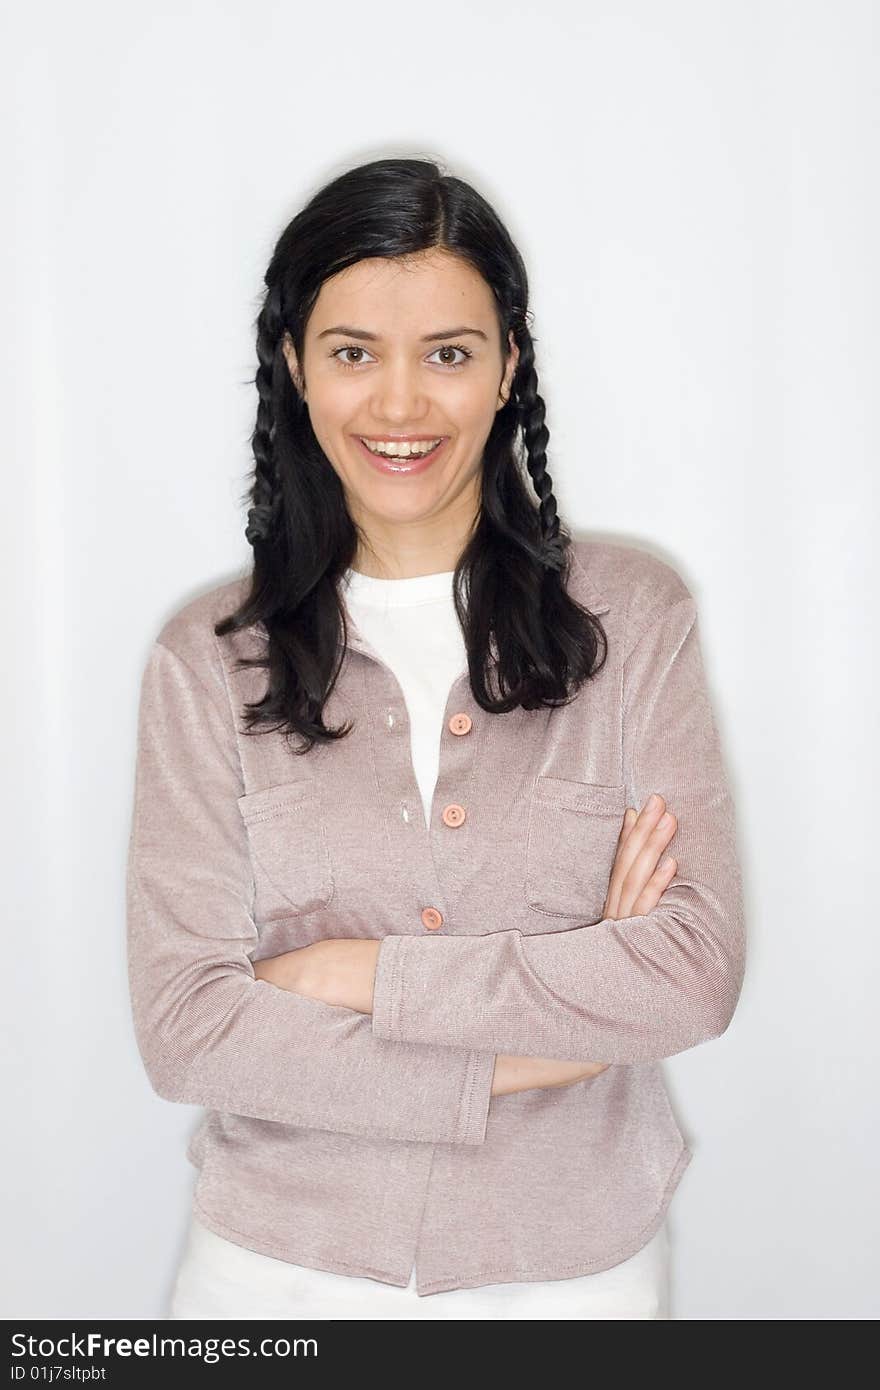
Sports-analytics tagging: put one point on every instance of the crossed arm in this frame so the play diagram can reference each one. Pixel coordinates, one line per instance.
(342, 970)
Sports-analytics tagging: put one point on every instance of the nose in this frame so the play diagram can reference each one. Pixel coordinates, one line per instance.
(399, 396)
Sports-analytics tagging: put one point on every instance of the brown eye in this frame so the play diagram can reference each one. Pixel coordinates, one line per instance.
(454, 347)
(349, 347)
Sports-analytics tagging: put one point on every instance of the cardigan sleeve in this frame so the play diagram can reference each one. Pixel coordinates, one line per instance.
(208, 1031)
(631, 990)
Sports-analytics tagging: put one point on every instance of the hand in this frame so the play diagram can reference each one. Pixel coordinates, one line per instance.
(535, 1073)
(637, 878)
(337, 970)
(636, 885)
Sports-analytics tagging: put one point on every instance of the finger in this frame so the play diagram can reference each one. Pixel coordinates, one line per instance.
(630, 817)
(643, 865)
(640, 876)
(630, 872)
(633, 831)
(653, 892)
(642, 826)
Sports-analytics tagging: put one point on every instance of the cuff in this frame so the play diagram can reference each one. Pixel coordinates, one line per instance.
(479, 1070)
(385, 982)
(476, 1097)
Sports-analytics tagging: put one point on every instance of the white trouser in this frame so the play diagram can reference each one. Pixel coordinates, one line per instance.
(219, 1279)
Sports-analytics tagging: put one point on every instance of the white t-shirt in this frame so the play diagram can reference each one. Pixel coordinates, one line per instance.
(413, 628)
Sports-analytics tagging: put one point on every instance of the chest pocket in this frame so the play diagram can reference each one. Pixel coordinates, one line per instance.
(288, 845)
(573, 829)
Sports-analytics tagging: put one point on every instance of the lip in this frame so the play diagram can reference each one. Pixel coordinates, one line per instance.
(399, 466)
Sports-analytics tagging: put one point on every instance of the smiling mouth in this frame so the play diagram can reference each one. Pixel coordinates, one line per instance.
(401, 463)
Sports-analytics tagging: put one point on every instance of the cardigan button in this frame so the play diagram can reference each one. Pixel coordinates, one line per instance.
(460, 724)
(453, 815)
(432, 918)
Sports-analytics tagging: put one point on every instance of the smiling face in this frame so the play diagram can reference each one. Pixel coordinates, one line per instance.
(398, 348)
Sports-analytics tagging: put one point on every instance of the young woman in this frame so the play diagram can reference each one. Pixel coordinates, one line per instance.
(401, 915)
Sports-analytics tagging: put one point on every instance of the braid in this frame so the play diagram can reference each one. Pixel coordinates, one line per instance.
(266, 492)
(531, 409)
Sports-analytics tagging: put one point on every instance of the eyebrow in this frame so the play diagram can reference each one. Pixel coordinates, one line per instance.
(376, 337)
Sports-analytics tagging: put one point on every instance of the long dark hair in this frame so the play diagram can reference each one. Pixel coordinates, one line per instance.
(510, 581)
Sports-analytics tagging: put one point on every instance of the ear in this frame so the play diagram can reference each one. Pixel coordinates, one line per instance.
(292, 363)
(509, 373)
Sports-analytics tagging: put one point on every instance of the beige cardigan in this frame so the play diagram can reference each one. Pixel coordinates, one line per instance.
(357, 1143)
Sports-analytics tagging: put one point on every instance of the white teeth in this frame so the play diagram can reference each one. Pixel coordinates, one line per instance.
(402, 449)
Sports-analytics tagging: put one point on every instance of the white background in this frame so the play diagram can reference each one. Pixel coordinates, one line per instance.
(694, 189)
